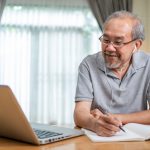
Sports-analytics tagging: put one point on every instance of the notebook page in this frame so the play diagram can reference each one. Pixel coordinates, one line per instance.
(140, 129)
(120, 136)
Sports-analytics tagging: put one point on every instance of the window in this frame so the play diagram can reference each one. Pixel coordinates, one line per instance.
(42, 47)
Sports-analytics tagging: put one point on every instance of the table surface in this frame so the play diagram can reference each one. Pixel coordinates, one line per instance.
(77, 143)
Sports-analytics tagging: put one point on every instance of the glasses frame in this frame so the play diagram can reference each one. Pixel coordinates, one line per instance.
(112, 42)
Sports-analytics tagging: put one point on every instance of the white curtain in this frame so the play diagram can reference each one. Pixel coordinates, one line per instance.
(39, 57)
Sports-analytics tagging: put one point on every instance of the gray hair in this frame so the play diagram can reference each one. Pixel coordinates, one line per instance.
(137, 29)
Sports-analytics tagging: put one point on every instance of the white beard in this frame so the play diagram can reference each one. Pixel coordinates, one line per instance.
(113, 66)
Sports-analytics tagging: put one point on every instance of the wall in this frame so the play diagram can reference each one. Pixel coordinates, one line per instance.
(141, 8)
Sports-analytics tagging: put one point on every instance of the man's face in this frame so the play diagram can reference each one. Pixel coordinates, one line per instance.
(117, 31)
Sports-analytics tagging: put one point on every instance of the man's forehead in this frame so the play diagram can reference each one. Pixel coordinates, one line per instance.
(118, 28)
(117, 36)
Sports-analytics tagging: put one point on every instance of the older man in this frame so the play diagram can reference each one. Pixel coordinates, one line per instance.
(116, 80)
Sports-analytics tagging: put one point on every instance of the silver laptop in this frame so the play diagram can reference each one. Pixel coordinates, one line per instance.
(14, 124)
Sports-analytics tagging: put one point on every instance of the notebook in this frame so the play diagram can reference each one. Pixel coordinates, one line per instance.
(14, 124)
(133, 132)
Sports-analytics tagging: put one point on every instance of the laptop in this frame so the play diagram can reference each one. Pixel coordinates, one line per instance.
(14, 124)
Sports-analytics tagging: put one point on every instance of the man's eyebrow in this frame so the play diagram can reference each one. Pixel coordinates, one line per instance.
(116, 37)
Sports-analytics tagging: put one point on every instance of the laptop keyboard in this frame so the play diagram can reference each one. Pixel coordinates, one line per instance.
(45, 134)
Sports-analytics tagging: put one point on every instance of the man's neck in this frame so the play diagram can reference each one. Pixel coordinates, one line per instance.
(121, 71)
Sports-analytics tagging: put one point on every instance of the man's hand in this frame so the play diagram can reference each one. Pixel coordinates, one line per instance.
(105, 125)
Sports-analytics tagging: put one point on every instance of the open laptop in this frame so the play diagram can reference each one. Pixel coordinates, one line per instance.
(14, 124)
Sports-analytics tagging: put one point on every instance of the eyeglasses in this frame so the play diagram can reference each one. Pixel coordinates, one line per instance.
(116, 44)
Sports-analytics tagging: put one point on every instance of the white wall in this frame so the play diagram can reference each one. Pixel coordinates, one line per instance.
(141, 8)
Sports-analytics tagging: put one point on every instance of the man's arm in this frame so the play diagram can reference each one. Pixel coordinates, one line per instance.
(142, 117)
(102, 124)
(82, 115)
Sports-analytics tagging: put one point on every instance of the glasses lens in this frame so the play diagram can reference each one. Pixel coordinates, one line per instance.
(107, 42)
(117, 44)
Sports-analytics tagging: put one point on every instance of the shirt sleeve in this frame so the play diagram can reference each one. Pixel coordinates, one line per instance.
(84, 89)
(148, 94)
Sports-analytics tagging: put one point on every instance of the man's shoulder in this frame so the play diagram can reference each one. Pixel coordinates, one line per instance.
(144, 54)
(141, 59)
(93, 57)
(90, 61)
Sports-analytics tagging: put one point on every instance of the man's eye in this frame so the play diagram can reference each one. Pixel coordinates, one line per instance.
(106, 41)
(118, 42)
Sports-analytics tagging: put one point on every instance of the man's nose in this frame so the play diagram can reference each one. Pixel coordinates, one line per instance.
(110, 47)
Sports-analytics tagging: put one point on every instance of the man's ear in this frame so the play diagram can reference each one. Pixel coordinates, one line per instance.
(138, 43)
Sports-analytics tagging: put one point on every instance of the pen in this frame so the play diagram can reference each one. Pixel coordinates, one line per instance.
(106, 113)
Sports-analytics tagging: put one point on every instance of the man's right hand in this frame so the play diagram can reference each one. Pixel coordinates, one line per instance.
(105, 125)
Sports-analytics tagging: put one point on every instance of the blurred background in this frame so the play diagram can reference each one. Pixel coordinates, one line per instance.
(42, 43)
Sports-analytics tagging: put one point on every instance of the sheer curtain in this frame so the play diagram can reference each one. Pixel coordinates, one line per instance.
(42, 48)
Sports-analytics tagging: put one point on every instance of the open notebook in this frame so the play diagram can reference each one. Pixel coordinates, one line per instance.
(134, 132)
(14, 124)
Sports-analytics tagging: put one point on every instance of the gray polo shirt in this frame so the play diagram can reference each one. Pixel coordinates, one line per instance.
(98, 84)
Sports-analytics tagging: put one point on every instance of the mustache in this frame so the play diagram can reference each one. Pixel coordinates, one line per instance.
(110, 54)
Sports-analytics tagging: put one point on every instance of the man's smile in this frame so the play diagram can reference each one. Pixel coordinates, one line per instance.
(110, 54)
